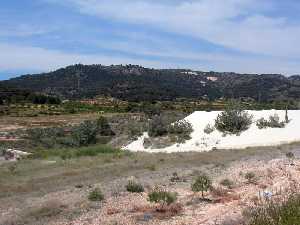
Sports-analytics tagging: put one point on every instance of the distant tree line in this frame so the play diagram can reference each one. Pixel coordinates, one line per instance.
(10, 96)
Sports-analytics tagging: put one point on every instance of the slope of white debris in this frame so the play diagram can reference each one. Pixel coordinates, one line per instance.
(216, 140)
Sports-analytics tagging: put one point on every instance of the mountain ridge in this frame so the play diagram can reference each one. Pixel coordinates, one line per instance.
(137, 83)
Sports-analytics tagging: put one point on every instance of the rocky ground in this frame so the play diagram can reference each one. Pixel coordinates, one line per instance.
(276, 177)
(55, 193)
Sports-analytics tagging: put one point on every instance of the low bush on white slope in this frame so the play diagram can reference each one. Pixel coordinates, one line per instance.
(206, 141)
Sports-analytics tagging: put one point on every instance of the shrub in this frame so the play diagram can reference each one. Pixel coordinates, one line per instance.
(262, 123)
(157, 127)
(251, 177)
(47, 135)
(96, 195)
(219, 191)
(233, 120)
(175, 177)
(275, 213)
(227, 183)
(291, 157)
(273, 122)
(103, 127)
(136, 129)
(209, 129)
(13, 167)
(134, 187)
(182, 128)
(201, 184)
(85, 133)
(162, 197)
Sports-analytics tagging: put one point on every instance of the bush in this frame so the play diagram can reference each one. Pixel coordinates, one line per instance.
(85, 133)
(81, 135)
(175, 177)
(201, 184)
(291, 157)
(251, 177)
(233, 120)
(181, 128)
(227, 183)
(134, 187)
(96, 195)
(273, 122)
(38, 134)
(162, 197)
(209, 129)
(275, 213)
(157, 127)
(103, 127)
(136, 129)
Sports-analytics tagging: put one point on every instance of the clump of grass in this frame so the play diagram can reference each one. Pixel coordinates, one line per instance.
(275, 213)
(134, 187)
(96, 195)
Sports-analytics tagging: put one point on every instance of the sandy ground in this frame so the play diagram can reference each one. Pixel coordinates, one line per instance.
(252, 137)
(276, 176)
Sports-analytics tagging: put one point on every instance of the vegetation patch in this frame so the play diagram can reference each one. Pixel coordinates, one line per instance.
(202, 184)
(272, 122)
(162, 197)
(209, 129)
(86, 133)
(251, 177)
(227, 183)
(96, 195)
(181, 129)
(233, 120)
(286, 212)
(68, 153)
(134, 187)
(158, 127)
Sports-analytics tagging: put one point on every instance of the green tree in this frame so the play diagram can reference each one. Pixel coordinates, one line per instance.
(202, 183)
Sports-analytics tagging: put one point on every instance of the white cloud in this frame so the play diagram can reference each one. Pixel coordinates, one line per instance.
(22, 30)
(14, 57)
(237, 24)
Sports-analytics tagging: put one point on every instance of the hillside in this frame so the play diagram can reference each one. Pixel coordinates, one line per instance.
(136, 83)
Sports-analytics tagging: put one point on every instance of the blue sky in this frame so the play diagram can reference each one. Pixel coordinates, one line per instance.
(247, 36)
